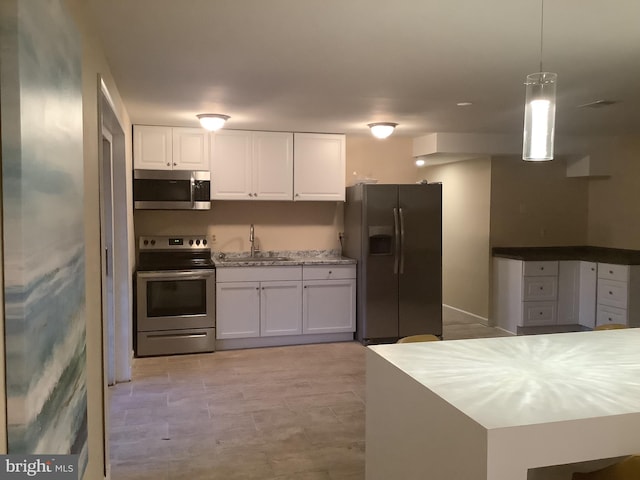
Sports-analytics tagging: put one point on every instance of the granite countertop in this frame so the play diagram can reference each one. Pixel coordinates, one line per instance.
(285, 257)
(581, 252)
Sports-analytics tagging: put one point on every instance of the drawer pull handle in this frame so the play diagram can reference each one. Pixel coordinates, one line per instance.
(541, 268)
(593, 269)
(330, 272)
(611, 272)
(610, 293)
(610, 319)
(541, 288)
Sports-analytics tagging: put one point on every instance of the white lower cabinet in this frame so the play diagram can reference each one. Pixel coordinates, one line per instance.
(329, 298)
(280, 308)
(618, 294)
(285, 300)
(328, 306)
(577, 293)
(237, 309)
(525, 293)
(588, 293)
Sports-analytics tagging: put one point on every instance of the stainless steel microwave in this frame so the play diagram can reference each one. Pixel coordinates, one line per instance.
(171, 190)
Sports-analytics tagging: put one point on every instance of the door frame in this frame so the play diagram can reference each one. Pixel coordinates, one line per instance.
(123, 252)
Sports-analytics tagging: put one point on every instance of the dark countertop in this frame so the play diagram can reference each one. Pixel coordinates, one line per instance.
(586, 253)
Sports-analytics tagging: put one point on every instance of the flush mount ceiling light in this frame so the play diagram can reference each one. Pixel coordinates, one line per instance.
(382, 129)
(212, 121)
(539, 110)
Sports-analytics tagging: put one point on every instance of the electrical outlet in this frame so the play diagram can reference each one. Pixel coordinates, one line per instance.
(213, 238)
(340, 235)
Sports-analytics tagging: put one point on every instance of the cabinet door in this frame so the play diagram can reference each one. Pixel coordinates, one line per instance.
(272, 166)
(152, 147)
(539, 313)
(607, 315)
(231, 167)
(280, 308)
(190, 149)
(237, 310)
(587, 302)
(319, 166)
(328, 306)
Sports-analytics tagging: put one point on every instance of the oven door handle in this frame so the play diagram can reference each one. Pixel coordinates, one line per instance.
(176, 274)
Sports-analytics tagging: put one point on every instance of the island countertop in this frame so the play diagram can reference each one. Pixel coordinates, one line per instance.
(494, 408)
(579, 252)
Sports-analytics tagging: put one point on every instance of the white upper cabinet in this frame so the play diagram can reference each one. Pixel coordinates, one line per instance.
(251, 165)
(152, 147)
(231, 165)
(272, 166)
(170, 148)
(320, 162)
(190, 149)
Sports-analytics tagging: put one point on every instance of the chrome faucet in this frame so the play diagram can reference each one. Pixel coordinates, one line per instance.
(252, 240)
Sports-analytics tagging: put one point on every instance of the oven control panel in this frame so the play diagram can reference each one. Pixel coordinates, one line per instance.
(173, 243)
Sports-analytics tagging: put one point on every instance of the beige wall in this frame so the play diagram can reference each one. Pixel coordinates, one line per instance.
(278, 225)
(388, 161)
(287, 225)
(94, 62)
(466, 191)
(535, 204)
(614, 202)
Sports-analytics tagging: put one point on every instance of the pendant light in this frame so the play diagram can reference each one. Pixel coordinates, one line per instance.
(212, 121)
(539, 110)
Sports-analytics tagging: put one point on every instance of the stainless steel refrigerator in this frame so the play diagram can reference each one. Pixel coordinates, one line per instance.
(395, 233)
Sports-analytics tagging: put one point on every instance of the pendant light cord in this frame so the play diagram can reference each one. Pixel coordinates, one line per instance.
(541, 32)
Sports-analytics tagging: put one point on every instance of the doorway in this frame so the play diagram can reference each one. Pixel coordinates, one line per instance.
(116, 243)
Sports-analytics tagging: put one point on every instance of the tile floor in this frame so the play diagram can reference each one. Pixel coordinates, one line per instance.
(270, 414)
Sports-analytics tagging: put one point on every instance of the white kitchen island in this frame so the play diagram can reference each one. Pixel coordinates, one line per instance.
(490, 409)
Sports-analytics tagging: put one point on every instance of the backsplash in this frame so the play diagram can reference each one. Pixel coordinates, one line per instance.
(279, 226)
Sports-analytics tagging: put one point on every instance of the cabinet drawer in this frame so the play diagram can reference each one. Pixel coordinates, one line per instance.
(609, 271)
(540, 288)
(258, 274)
(607, 315)
(540, 268)
(539, 313)
(612, 293)
(328, 272)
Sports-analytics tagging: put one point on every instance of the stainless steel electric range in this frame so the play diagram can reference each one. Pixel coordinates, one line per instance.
(175, 284)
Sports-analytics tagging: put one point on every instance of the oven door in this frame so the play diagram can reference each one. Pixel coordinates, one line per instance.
(175, 300)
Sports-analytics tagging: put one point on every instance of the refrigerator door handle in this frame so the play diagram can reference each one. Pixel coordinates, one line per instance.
(401, 241)
(396, 260)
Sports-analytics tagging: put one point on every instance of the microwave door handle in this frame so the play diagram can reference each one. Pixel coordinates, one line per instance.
(193, 189)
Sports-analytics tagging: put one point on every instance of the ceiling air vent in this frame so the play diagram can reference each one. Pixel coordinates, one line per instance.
(598, 104)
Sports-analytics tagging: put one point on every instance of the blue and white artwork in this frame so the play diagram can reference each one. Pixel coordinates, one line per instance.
(42, 201)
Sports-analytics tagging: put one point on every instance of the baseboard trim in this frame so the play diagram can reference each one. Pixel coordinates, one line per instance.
(453, 315)
(257, 342)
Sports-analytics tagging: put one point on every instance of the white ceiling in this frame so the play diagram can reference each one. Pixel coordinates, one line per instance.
(336, 65)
